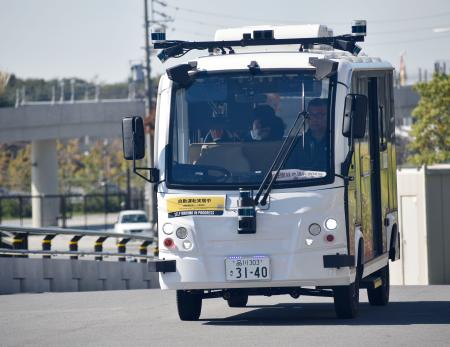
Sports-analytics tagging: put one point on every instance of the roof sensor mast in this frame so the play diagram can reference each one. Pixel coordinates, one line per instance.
(176, 49)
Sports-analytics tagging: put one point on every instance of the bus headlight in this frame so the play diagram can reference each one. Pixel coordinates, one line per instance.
(181, 232)
(167, 229)
(331, 224)
(314, 229)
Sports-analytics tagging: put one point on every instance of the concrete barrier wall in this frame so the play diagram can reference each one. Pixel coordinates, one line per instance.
(30, 275)
(424, 216)
(437, 186)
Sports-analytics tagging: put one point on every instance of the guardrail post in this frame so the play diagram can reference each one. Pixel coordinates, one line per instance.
(73, 245)
(47, 245)
(20, 241)
(21, 210)
(143, 250)
(156, 250)
(98, 246)
(62, 202)
(1, 211)
(122, 248)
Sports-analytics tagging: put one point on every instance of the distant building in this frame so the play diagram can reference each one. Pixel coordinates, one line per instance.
(405, 99)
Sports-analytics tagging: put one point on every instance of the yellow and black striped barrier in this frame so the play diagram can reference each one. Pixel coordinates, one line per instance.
(122, 248)
(98, 246)
(17, 237)
(20, 241)
(47, 244)
(143, 250)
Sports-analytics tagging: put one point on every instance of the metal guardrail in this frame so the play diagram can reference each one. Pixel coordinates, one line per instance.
(106, 202)
(19, 246)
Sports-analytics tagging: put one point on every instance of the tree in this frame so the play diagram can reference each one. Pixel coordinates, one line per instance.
(5, 156)
(4, 78)
(69, 163)
(431, 127)
(19, 170)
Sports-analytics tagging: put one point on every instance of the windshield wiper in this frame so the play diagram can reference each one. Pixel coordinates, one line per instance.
(283, 153)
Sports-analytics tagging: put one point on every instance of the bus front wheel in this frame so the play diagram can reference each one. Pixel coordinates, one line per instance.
(189, 305)
(346, 298)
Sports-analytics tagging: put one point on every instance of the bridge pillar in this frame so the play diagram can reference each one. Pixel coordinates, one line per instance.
(44, 181)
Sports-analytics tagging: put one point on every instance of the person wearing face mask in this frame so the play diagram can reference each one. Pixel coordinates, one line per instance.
(266, 125)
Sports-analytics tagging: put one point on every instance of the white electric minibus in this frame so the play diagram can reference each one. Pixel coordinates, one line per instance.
(274, 168)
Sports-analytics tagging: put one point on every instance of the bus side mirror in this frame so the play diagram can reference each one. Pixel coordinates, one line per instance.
(133, 138)
(355, 111)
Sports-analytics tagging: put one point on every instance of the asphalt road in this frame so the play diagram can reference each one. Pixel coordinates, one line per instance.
(416, 316)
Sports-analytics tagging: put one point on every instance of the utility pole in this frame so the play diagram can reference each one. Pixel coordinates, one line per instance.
(148, 80)
(150, 192)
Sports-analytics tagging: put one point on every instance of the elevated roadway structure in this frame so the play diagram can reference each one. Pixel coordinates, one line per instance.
(43, 123)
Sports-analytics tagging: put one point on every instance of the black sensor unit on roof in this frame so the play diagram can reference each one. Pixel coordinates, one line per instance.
(183, 74)
(324, 67)
(263, 34)
(253, 67)
(157, 36)
(359, 27)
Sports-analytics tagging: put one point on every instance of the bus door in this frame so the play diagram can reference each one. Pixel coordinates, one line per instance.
(369, 168)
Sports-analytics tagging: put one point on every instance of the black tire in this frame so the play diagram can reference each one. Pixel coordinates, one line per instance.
(238, 300)
(346, 301)
(189, 305)
(346, 298)
(380, 296)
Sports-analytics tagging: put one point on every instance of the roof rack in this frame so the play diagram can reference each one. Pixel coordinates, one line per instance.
(176, 49)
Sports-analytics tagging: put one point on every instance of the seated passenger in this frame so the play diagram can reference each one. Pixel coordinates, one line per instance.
(266, 125)
(218, 133)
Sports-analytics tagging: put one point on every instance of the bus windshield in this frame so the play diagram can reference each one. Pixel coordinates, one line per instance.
(227, 128)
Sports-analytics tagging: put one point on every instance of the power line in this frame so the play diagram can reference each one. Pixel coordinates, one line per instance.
(209, 24)
(434, 37)
(410, 18)
(243, 18)
(393, 32)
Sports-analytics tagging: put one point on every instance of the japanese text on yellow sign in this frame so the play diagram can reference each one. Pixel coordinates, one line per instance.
(195, 206)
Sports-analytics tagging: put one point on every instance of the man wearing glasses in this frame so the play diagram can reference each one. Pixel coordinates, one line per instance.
(316, 142)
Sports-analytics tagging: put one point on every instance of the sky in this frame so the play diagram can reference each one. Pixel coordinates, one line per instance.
(98, 40)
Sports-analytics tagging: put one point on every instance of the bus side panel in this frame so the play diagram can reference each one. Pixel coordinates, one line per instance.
(354, 210)
(383, 124)
(391, 148)
(363, 173)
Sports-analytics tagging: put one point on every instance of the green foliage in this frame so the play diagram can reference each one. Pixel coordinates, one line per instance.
(4, 78)
(90, 166)
(431, 129)
(80, 166)
(18, 170)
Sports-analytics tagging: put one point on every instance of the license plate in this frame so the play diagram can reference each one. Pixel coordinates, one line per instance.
(247, 268)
